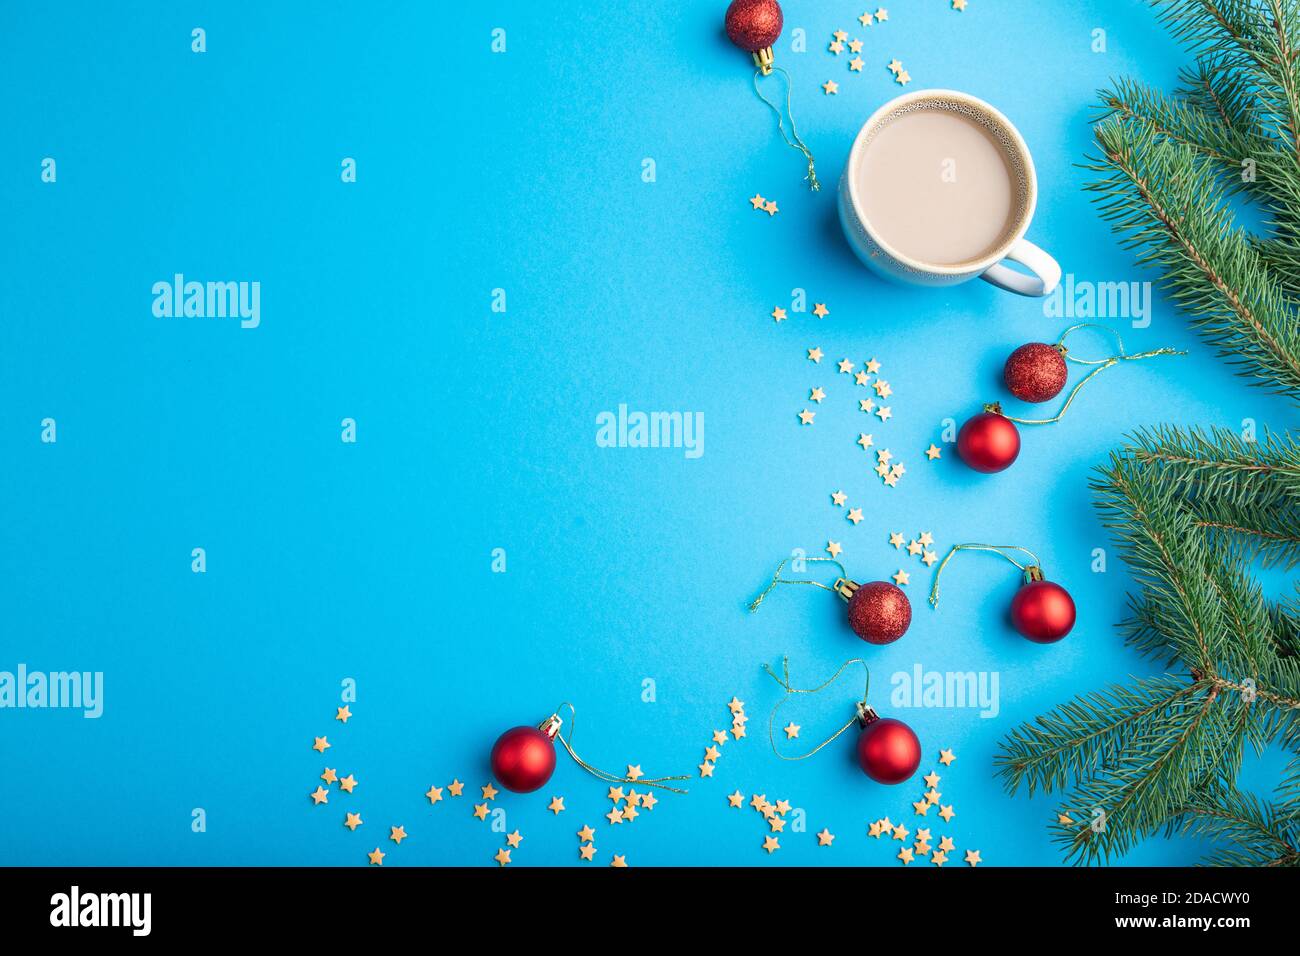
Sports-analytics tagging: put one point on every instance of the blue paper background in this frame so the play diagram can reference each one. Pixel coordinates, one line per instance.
(326, 561)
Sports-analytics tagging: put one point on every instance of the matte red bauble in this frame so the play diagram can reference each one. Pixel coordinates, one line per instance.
(989, 442)
(879, 612)
(754, 24)
(1042, 611)
(1035, 372)
(523, 759)
(888, 749)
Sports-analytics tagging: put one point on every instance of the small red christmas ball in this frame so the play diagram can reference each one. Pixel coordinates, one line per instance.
(754, 24)
(879, 612)
(1043, 612)
(988, 442)
(1035, 372)
(523, 759)
(888, 750)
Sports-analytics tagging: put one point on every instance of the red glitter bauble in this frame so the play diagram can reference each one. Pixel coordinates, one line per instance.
(1035, 372)
(754, 24)
(879, 612)
(1043, 612)
(888, 750)
(523, 759)
(988, 442)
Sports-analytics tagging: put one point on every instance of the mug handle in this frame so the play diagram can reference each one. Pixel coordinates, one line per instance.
(1047, 272)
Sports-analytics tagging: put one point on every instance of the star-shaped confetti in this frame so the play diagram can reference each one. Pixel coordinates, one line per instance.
(866, 404)
(615, 815)
(946, 757)
(806, 417)
(921, 807)
(502, 857)
(959, 5)
(839, 498)
(778, 314)
(352, 821)
(329, 776)
(736, 799)
(348, 783)
(896, 539)
(820, 310)
(771, 844)
(929, 558)
(865, 441)
(455, 788)
(865, 19)
(481, 810)
(836, 47)
(903, 78)
(769, 207)
(931, 779)
(900, 577)
(833, 548)
(757, 201)
(882, 15)
(854, 515)
(376, 857)
(556, 805)
(947, 812)
(343, 714)
(618, 862)
(489, 792)
(321, 745)
(587, 851)
(946, 844)
(933, 452)
(831, 87)
(319, 795)
(855, 64)
(397, 834)
(825, 838)
(845, 366)
(973, 857)
(815, 354)
(895, 66)
(926, 538)
(791, 730)
(434, 794)
(905, 855)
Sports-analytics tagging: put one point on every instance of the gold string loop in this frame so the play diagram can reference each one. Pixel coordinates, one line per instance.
(656, 782)
(784, 681)
(999, 549)
(796, 143)
(1100, 365)
(777, 579)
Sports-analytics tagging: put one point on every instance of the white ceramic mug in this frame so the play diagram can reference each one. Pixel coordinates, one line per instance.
(892, 264)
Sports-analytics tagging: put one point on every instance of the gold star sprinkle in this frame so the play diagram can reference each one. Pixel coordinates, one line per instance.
(884, 413)
(712, 754)
(588, 851)
(719, 737)
(933, 795)
(756, 201)
(865, 19)
(900, 577)
(931, 779)
(769, 207)
(455, 787)
(903, 78)
(905, 855)
(946, 812)
(845, 366)
(840, 35)
(833, 548)
(900, 832)
(874, 830)
(791, 730)
(776, 823)
(959, 5)
(481, 811)
(831, 87)
(329, 776)
(634, 772)
(855, 515)
(353, 821)
(348, 783)
(397, 834)
(973, 857)
(884, 454)
(855, 64)
(343, 714)
(630, 813)
(921, 808)
(836, 47)
(376, 857)
(839, 497)
(758, 800)
(895, 66)
(896, 539)
(434, 794)
(1064, 819)
(614, 816)
(923, 835)
(738, 731)
(914, 547)
(771, 844)
(321, 745)
(861, 378)
(815, 355)
(806, 417)
(778, 314)
(817, 395)
(514, 839)
(736, 799)
(865, 441)
(706, 769)
(866, 404)
(946, 757)
(921, 848)
(825, 838)
(820, 310)
(939, 858)
(882, 15)
(489, 792)
(586, 834)
(319, 795)
(930, 558)
(556, 805)
(933, 452)
(855, 46)
(616, 794)
(619, 862)
(502, 857)
(946, 844)
(926, 538)
(873, 366)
